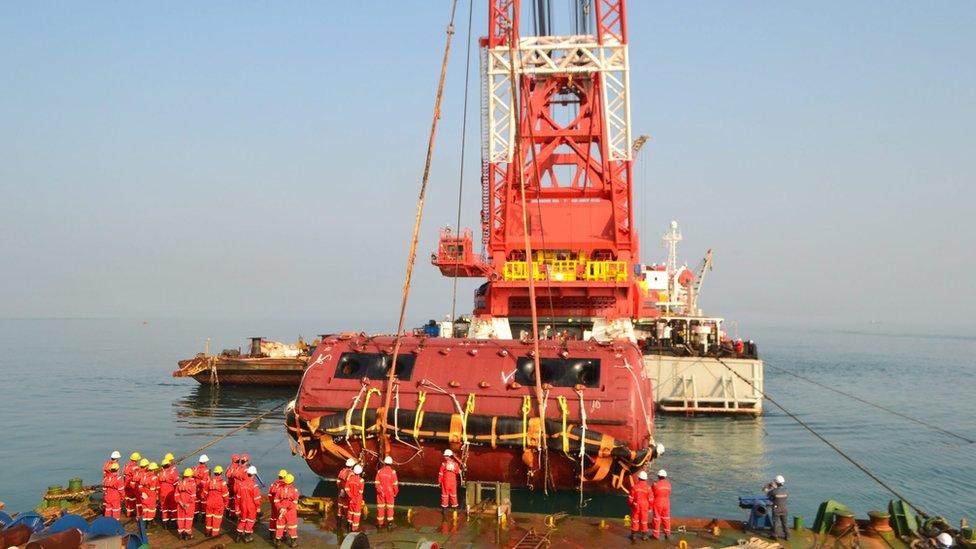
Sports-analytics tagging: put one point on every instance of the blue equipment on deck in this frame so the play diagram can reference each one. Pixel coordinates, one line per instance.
(760, 512)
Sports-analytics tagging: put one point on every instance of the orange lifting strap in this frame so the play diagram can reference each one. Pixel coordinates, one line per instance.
(604, 460)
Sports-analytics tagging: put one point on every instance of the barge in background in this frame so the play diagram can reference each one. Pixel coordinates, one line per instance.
(266, 363)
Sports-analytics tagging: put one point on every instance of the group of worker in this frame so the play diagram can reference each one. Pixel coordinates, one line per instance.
(140, 486)
(350, 484)
(647, 499)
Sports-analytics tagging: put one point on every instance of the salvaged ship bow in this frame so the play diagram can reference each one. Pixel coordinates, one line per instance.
(475, 397)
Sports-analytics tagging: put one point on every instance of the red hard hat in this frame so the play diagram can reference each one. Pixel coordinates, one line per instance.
(246, 457)
(235, 457)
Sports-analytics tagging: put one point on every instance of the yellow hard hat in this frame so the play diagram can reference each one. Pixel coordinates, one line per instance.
(143, 462)
(135, 456)
(167, 460)
(218, 469)
(153, 466)
(187, 472)
(282, 473)
(168, 456)
(289, 479)
(114, 467)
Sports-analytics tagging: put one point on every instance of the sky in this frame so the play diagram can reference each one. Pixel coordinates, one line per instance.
(258, 159)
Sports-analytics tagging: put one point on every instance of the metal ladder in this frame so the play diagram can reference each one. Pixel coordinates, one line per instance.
(688, 386)
(532, 540)
(728, 388)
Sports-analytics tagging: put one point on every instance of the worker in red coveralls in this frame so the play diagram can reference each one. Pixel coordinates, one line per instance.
(448, 478)
(231, 474)
(273, 517)
(354, 492)
(387, 488)
(186, 500)
(343, 499)
(201, 473)
(149, 492)
(640, 499)
(248, 504)
(133, 483)
(239, 474)
(113, 459)
(113, 486)
(740, 347)
(216, 496)
(662, 504)
(131, 487)
(168, 477)
(286, 503)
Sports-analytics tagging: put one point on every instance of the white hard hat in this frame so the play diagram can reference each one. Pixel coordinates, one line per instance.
(350, 462)
(204, 458)
(116, 455)
(448, 453)
(252, 470)
(642, 475)
(662, 473)
(388, 460)
(660, 449)
(945, 539)
(358, 469)
(780, 479)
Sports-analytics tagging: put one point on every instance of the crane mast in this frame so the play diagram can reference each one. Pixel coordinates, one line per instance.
(567, 109)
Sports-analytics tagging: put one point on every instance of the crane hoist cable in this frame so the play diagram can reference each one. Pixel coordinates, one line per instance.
(464, 133)
(517, 158)
(412, 256)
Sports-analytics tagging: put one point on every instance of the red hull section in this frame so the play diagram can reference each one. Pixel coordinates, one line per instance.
(481, 392)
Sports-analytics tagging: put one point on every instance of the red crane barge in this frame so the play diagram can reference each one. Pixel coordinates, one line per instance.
(557, 226)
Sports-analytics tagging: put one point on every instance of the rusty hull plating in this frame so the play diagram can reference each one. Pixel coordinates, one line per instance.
(480, 391)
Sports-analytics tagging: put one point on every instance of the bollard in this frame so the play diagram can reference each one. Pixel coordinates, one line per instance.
(409, 515)
(797, 522)
(603, 524)
(454, 515)
(627, 521)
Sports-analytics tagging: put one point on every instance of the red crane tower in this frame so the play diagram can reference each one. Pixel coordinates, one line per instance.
(564, 129)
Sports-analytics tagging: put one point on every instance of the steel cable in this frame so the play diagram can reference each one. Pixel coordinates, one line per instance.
(231, 432)
(874, 404)
(823, 439)
(464, 133)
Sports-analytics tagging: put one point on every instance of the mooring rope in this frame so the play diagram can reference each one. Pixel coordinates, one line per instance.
(823, 439)
(229, 433)
(412, 256)
(874, 404)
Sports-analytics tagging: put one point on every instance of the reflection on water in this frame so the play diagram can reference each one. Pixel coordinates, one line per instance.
(212, 408)
(711, 461)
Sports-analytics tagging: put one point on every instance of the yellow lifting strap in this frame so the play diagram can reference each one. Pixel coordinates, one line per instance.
(564, 407)
(526, 407)
(418, 416)
(604, 460)
(494, 424)
(366, 407)
(468, 410)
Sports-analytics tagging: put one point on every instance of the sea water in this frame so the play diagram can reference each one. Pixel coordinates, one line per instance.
(74, 390)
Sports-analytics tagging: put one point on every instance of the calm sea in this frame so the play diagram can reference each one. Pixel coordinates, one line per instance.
(74, 390)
